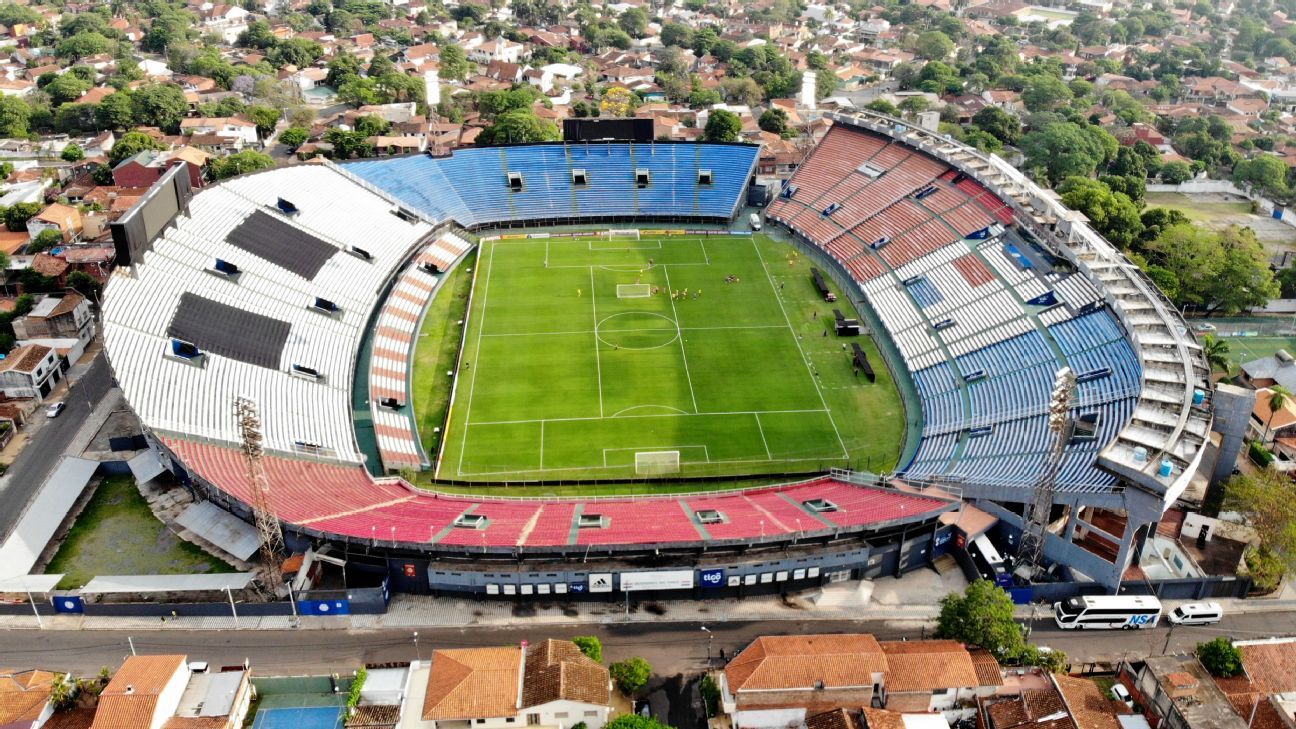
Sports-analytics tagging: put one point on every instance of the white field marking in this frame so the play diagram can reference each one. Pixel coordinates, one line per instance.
(639, 245)
(472, 385)
(542, 444)
(621, 413)
(597, 363)
(630, 467)
(652, 449)
(683, 355)
(758, 427)
(614, 331)
(804, 358)
(649, 415)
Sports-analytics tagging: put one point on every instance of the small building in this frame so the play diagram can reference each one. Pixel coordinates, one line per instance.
(143, 694)
(147, 167)
(64, 323)
(241, 132)
(1176, 692)
(213, 701)
(551, 684)
(25, 696)
(30, 371)
(63, 218)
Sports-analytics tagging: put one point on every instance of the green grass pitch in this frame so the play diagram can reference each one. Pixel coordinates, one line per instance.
(568, 370)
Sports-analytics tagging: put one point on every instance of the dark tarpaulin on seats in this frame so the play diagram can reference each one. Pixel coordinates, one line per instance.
(282, 244)
(228, 331)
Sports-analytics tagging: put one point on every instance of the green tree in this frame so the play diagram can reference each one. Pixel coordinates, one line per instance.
(521, 125)
(159, 105)
(677, 34)
(742, 90)
(72, 153)
(1155, 220)
(933, 45)
(66, 88)
(85, 284)
(998, 123)
(1267, 173)
(15, 115)
(299, 52)
(774, 120)
(345, 67)
(1112, 214)
(634, 721)
(1286, 279)
(1049, 659)
(1220, 657)
(1128, 163)
(240, 163)
(454, 62)
(1064, 149)
(131, 144)
(1045, 93)
(631, 674)
(721, 126)
(634, 21)
(1276, 399)
(348, 144)
(882, 106)
(264, 117)
(85, 44)
(1216, 351)
(117, 111)
(16, 216)
(258, 35)
(982, 616)
(44, 240)
(1176, 172)
(591, 646)
(1164, 280)
(294, 137)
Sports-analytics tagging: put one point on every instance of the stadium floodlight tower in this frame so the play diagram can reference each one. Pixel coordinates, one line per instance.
(267, 523)
(1030, 553)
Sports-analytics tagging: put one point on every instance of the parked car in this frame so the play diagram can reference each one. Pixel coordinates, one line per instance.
(53, 411)
(1196, 613)
(1122, 694)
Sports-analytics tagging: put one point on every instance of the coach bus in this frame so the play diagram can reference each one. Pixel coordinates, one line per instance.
(988, 562)
(1106, 612)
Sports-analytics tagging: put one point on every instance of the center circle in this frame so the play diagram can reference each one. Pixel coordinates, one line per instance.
(637, 330)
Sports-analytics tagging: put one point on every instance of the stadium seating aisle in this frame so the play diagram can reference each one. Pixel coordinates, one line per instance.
(472, 185)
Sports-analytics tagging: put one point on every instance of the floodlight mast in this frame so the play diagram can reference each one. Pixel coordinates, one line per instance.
(267, 523)
(1030, 554)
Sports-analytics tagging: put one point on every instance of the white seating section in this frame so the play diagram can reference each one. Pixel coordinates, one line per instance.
(195, 398)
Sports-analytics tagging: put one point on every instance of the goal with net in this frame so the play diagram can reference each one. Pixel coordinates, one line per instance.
(656, 463)
(627, 234)
(633, 291)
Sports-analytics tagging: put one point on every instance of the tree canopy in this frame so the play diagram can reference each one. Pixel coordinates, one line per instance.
(1064, 149)
(520, 125)
(1220, 657)
(982, 616)
(721, 126)
(1225, 271)
(631, 674)
(240, 163)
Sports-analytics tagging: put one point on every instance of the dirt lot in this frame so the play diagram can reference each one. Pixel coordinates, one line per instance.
(1218, 210)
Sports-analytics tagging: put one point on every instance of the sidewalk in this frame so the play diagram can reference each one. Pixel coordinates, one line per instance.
(908, 602)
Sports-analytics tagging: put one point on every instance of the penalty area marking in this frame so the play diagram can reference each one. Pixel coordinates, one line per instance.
(706, 455)
(652, 245)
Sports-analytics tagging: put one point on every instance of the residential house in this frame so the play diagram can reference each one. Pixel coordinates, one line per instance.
(30, 372)
(1176, 692)
(62, 322)
(498, 49)
(144, 693)
(147, 167)
(1058, 702)
(63, 218)
(213, 700)
(25, 696)
(1278, 368)
(227, 21)
(927, 676)
(550, 684)
(240, 131)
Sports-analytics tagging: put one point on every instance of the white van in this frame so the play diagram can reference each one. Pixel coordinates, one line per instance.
(1196, 613)
(755, 221)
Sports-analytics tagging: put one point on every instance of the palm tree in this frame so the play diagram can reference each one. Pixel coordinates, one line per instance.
(1216, 351)
(1278, 397)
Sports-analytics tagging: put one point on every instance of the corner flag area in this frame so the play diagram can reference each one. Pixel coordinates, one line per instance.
(601, 358)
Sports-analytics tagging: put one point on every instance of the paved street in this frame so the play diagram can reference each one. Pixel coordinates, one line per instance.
(51, 439)
(671, 647)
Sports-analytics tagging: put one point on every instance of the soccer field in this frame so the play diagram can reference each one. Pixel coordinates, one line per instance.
(573, 368)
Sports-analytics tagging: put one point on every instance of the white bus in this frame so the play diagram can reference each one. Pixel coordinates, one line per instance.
(1105, 612)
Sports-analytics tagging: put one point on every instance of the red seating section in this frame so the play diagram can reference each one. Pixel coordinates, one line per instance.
(873, 208)
(344, 500)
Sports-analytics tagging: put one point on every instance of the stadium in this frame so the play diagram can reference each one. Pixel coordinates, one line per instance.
(761, 459)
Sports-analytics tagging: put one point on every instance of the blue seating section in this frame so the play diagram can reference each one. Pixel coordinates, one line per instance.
(925, 293)
(1013, 399)
(471, 186)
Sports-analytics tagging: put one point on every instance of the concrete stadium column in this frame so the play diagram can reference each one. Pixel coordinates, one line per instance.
(1233, 406)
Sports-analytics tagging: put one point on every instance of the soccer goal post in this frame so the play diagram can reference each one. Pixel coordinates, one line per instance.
(631, 233)
(633, 291)
(656, 463)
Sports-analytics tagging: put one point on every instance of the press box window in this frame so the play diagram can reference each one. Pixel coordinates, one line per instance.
(704, 177)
